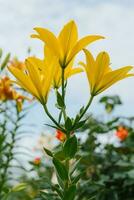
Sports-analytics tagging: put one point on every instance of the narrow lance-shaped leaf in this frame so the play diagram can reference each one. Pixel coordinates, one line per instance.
(0, 53)
(68, 124)
(60, 101)
(48, 152)
(60, 169)
(4, 63)
(70, 193)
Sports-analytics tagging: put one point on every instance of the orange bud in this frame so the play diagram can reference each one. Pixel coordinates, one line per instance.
(60, 135)
(122, 133)
(37, 161)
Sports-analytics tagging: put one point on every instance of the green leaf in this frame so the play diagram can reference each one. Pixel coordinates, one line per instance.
(60, 169)
(103, 99)
(75, 166)
(70, 193)
(60, 101)
(70, 147)
(48, 152)
(58, 190)
(109, 107)
(55, 127)
(19, 187)
(60, 155)
(4, 63)
(60, 182)
(79, 124)
(81, 110)
(1, 52)
(110, 123)
(68, 124)
(77, 178)
(117, 100)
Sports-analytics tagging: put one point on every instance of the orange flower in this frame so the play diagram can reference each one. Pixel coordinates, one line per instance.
(37, 161)
(6, 90)
(8, 93)
(60, 135)
(122, 133)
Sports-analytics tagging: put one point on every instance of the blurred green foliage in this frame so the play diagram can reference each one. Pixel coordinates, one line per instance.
(106, 169)
(109, 165)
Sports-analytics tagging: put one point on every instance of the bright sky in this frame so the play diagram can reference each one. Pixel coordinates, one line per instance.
(113, 19)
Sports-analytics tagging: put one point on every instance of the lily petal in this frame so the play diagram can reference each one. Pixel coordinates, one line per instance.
(73, 72)
(101, 65)
(34, 74)
(89, 67)
(83, 43)
(68, 37)
(24, 81)
(113, 77)
(49, 39)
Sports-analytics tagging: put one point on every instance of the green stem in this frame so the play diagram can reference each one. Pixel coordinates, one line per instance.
(86, 108)
(63, 92)
(67, 164)
(50, 116)
(62, 80)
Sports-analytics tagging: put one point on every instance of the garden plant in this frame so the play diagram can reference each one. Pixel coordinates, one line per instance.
(39, 77)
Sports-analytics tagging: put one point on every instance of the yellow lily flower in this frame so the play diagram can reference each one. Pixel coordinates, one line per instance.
(68, 72)
(99, 73)
(33, 79)
(66, 45)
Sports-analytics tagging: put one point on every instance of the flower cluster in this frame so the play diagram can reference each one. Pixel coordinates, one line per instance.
(40, 75)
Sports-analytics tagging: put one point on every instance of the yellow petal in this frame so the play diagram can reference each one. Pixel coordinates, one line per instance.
(24, 81)
(38, 62)
(68, 37)
(113, 77)
(49, 78)
(34, 74)
(47, 54)
(73, 72)
(83, 43)
(101, 66)
(57, 76)
(90, 68)
(49, 39)
(56, 66)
